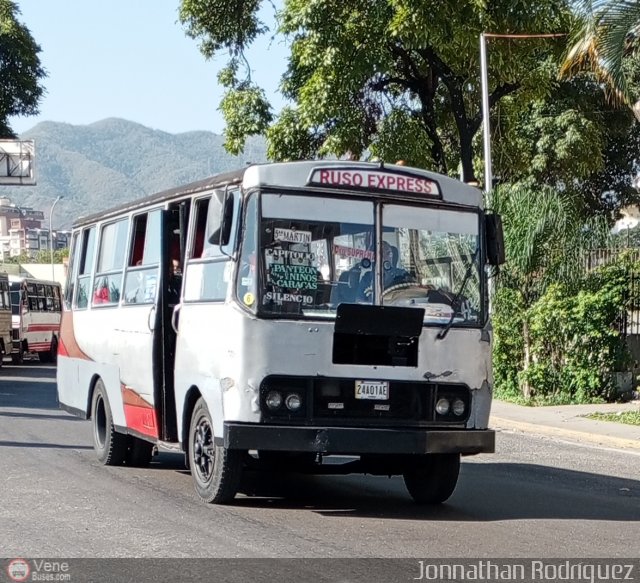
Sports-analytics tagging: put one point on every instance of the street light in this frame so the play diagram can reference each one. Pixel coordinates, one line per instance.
(55, 202)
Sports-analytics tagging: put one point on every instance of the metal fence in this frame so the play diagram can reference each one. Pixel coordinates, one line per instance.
(629, 320)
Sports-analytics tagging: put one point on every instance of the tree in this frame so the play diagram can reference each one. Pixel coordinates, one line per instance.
(605, 32)
(395, 79)
(545, 242)
(573, 140)
(20, 69)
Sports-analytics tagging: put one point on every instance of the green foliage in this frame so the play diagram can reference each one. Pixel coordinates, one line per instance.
(555, 325)
(573, 342)
(604, 34)
(42, 256)
(247, 113)
(508, 342)
(20, 69)
(389, 78)
(231, 25)
(627, 417)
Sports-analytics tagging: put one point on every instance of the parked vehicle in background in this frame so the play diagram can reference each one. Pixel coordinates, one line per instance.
(36, 309)
(5, 318)
(281, 314)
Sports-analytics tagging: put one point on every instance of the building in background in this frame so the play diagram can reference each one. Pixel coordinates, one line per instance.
(21, 232)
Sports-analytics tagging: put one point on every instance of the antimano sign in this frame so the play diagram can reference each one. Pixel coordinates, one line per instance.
(374, 179)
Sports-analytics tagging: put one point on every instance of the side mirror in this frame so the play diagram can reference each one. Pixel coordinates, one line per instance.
(495, 239)
(220, 218)
(227, 219)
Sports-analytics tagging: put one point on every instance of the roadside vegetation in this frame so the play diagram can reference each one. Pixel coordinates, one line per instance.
(627, 417)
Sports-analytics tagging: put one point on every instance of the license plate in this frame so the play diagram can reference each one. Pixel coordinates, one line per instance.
(377, 390)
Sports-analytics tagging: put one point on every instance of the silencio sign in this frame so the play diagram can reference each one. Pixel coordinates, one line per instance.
(374, 179)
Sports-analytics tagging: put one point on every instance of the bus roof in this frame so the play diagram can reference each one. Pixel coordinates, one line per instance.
(341, 175)
(29, 279)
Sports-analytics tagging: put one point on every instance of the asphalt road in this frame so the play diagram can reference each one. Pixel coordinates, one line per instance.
(536, 497)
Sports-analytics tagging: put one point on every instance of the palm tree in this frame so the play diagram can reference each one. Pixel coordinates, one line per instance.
(606, 31)
(545, 242)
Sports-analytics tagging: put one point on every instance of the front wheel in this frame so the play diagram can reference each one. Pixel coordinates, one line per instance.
(216, 471)
(434, 478)
(109, 445)
(18, 357)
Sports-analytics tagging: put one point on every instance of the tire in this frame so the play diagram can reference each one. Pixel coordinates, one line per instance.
(18, 357)
(139, 452)
(215, 470)
(434, 478)
(50, 355)
(110, 446)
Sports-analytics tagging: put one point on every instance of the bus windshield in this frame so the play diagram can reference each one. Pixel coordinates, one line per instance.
(316, 253)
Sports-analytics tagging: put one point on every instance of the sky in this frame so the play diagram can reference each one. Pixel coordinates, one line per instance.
(131, 59)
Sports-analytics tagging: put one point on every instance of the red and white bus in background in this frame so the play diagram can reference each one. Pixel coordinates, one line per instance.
(35, 308)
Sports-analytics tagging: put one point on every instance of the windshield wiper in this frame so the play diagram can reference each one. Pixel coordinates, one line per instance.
(456, 298)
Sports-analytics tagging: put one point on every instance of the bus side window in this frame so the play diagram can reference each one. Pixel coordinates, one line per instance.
(107, 287)
(142, 271)
(85, 266)
(198, 248)
(72, 272)
(209, 281)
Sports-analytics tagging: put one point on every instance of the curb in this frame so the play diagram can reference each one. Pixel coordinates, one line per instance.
(581, 436)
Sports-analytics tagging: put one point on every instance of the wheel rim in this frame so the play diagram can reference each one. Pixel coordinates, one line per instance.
(203, 456)
(100, 424)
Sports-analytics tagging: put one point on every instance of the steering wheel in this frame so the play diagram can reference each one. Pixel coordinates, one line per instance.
(397, 286)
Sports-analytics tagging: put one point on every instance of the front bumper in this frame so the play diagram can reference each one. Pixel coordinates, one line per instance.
(355, 441)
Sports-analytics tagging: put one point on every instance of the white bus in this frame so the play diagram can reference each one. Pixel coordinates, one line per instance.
(282, 314)
(36, 309)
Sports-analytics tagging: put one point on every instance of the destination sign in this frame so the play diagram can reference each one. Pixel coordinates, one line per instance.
(374, 179)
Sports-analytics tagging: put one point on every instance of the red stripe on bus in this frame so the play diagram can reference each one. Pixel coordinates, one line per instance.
(141, 419)
(68, 337)
(139, 413)
(43, 327)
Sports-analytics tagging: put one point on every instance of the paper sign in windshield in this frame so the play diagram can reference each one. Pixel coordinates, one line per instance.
(353, 252)
(292, 236)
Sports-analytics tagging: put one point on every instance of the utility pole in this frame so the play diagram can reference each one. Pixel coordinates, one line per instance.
(55, 202)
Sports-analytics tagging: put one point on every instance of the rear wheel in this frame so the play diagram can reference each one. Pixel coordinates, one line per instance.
(109, 445)
(434, 478)
(216, 471)
(18, 357)
(52, 354)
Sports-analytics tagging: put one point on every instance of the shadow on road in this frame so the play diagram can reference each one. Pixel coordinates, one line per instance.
(29, 386)
(62, 416)
(36, 445)
(485, 492)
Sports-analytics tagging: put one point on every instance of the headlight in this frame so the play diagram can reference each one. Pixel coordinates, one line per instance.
(458, 407)
(293, 402)
(442, 406)
(273, 400)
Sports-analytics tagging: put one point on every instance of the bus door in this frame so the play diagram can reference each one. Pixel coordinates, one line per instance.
(205, 321)
(174, 233)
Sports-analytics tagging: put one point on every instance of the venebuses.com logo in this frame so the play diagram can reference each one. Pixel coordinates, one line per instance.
(18, 570)
(21, 570)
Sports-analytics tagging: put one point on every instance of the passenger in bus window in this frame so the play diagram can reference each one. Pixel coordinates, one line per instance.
(391, 273)
(175, 282)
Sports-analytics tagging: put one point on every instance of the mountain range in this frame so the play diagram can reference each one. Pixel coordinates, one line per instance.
(106, 163)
